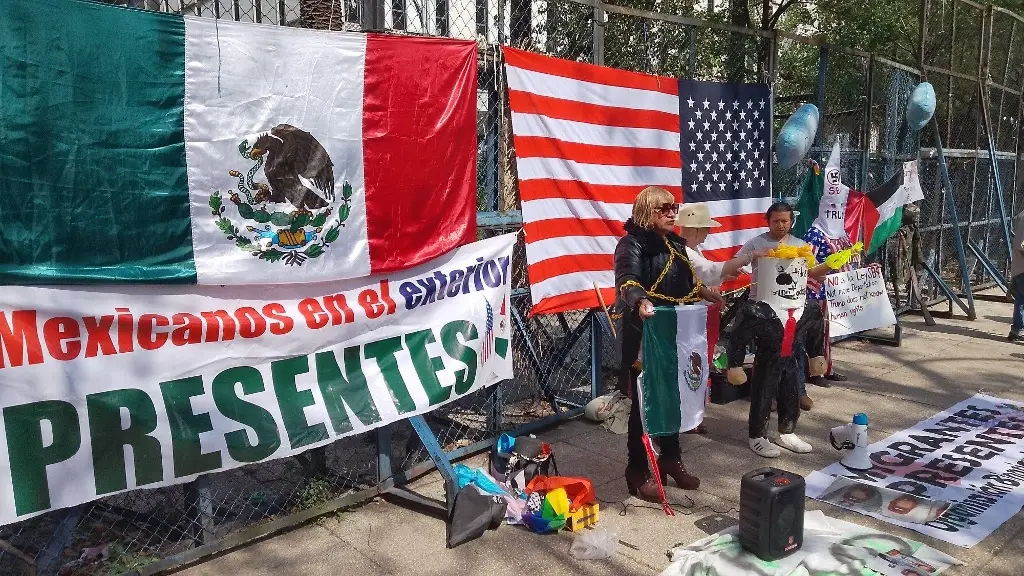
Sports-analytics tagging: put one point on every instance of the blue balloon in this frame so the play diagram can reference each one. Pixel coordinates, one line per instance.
(921, 106)
(797, 136)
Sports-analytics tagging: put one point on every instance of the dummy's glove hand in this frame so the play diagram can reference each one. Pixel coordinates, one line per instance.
(817, 366)
(736, 376)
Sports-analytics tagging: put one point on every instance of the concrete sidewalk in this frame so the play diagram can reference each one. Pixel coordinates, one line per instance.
(935, 368)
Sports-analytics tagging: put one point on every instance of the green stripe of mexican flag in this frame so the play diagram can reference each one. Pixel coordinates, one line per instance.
(673, 385)
(147, 147)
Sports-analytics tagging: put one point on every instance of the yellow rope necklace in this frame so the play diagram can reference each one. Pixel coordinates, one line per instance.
(652, 292)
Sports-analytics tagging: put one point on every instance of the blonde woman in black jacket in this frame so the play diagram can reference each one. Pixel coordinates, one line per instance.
(651, 269)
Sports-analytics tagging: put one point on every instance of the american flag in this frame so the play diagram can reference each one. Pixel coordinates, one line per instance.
(725, 135)
(488, 346)
(588, 139)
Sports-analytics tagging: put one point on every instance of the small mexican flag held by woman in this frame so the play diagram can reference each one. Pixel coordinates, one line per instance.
(676, 358)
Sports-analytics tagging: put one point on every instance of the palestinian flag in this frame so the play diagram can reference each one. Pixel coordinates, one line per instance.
(879, 212)
(147, 147)
(674, 382)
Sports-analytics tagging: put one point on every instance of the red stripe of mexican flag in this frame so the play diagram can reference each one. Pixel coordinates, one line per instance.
(419, 148)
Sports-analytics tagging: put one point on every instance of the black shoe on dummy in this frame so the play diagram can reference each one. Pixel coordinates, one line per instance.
(820, 381)
(836, 377)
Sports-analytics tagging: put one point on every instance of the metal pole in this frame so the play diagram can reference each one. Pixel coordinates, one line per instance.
(596, 380)
(869, 104)
(822, 73)
(200, 506)
(923, 29)
(983, 80)
(692, 62)
(983, 93)
(599, 19)
(951, 206)
(384, 470)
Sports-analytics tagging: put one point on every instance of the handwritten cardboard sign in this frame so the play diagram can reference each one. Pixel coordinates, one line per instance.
(857, 301)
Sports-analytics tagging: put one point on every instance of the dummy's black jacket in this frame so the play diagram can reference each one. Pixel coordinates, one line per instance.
(756, 322)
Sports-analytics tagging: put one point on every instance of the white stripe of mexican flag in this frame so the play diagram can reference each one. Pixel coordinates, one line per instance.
(673, 386)
(239, 87)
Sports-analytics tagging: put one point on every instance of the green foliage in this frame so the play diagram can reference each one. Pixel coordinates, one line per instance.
(313, 250)
(122, 561)
(272, 255)
(315, 493)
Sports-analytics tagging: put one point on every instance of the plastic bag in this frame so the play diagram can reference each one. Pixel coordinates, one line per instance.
(594, 545)
(466, 475)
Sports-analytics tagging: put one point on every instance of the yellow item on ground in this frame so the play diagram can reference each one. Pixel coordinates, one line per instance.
(580, 519)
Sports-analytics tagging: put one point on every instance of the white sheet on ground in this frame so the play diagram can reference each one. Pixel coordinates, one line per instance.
(831, 548)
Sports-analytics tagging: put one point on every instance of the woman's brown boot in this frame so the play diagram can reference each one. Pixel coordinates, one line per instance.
(642, 485)
(676, 470)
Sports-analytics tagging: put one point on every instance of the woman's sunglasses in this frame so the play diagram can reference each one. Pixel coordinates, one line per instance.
(668, 208)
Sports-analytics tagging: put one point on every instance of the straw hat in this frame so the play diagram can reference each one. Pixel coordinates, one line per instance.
(695, 215)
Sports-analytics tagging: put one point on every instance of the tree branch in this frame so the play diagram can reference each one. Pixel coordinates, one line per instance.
(774, 20)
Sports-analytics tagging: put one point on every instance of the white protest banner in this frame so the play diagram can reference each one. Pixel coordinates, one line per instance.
(857, 301)
(106, 389)
(971, 455)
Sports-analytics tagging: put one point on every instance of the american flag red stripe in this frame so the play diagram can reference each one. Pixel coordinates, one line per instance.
(588, 139)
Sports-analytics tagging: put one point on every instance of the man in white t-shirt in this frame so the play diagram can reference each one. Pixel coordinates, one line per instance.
(780, 221)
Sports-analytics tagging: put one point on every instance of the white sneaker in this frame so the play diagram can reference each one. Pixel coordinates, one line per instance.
(764, 448)
(793, 443)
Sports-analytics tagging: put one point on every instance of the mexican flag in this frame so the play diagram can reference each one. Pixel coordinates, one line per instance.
(147, 147)
(811, 191)
(674, 383)
(880, 211)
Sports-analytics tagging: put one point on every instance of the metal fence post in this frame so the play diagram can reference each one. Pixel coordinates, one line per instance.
(868, 105)
(923, 33)
(384, 469)
(691, 60)
(947, 187)
(371, 14)
(822, 73)
(599, 18)
(491, 134)
(596, 347)
(200, 510)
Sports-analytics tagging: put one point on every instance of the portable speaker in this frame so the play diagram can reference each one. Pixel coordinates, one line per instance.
(771, 513)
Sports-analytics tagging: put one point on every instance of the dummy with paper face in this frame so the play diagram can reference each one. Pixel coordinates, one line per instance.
(777, 322)
(784, 285)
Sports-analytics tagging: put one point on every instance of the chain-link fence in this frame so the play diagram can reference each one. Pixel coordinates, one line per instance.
(971, 53)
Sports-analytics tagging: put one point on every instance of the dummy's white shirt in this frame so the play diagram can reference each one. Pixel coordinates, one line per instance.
(710, 273)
